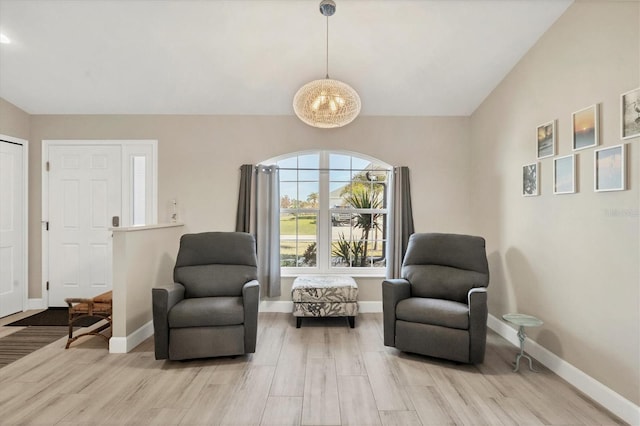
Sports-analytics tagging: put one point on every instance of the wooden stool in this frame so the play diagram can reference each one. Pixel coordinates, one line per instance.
(98, 307)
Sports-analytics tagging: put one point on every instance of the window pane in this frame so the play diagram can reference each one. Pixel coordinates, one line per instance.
(287, 252)
(310, 161)
(376, 253)
(339, 161)
(307, 224)
(288, 163)
(337, 189)
(365, 197)
(381, 195)
(288, 175)
(139, 198)
(339, 175)
(308, 175)
(360, 175)
(339, 220)
(288, 224)
(341, 252)
(295, 224)
(359, 163)
(288, 193)
(307, 253)
(308, 194)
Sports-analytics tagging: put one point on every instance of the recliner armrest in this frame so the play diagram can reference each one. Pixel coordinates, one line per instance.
(478, 313)
(477, 294)
(163, 299)
(393, 291)
(250, 301)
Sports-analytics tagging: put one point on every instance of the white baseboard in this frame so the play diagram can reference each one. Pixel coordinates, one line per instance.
(605, 396)
(36, 304)
(367, 307)
(122, 345)
(286, 306)
(282, 306)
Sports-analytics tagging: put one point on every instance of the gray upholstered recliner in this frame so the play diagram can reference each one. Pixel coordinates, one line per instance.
(211, 309)
(439, 307)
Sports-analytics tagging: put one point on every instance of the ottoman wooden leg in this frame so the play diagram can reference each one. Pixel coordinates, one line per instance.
(298, 322)
(352, 321)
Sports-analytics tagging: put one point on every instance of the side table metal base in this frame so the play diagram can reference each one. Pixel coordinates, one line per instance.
(517, 363)
(522, 337)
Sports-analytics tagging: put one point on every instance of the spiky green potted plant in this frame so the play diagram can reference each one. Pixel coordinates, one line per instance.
(365, 198)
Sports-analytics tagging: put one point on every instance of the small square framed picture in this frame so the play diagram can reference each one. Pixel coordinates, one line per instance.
(609, 169)
(530, 180)
(630, 114)
(585, 127)
(564, 174)
(546, 140)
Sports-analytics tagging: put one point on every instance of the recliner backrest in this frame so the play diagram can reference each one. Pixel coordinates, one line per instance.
(445, 266)
(213, 264)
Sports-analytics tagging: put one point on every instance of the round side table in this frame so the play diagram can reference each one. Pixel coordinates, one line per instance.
(522, 321)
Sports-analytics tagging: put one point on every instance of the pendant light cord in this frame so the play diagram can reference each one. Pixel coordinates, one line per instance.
(327, 76)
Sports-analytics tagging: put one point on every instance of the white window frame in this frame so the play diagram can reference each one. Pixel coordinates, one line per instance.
(323, 237)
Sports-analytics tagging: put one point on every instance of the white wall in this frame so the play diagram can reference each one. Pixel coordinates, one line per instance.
(571, 260)
(143, 258)
(199, 159)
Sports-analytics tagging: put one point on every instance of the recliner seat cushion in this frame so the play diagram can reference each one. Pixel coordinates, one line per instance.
(444, 313)
(207, 312)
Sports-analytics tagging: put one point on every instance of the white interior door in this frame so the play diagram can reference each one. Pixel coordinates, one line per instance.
(84, 195)
(12, 228)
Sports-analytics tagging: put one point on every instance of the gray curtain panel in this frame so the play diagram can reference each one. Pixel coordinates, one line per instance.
(401, 219)
(243, 214)
(268, 229)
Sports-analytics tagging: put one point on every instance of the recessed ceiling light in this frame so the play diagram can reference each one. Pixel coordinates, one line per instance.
(4, 39)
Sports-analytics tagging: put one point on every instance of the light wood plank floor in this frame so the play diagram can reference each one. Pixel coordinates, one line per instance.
(321, 374)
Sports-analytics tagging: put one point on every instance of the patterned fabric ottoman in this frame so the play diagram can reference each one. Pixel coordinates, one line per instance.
(325, 296)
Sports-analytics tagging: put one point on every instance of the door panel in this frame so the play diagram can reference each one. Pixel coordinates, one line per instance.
(84, 194)
(12, 229)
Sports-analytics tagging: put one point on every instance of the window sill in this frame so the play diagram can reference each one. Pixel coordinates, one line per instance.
(381, 275)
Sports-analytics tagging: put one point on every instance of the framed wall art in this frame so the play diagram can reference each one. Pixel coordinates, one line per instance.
(609, 170)
(564, 174)
(630, 114)
(585, 125)
(530, 180)
(546, 140)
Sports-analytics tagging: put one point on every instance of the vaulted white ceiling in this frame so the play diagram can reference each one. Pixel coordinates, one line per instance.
(404, 57)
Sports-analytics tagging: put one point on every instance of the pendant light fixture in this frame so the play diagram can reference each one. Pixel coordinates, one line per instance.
(327, 103)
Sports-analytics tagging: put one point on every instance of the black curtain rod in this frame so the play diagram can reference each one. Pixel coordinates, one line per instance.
(330, 169)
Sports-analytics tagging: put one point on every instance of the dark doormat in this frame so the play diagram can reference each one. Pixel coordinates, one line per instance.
(53, 317)
(23, 342)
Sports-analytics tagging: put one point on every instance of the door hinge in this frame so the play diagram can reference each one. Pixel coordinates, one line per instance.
(47, 285)
(46, 225)
(48, 166)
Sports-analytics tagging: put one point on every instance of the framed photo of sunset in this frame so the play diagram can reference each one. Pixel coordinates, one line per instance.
(585, 127)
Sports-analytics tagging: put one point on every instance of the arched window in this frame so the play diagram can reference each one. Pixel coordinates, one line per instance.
(333, 212)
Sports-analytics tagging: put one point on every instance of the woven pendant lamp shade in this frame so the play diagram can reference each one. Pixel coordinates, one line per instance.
(326, 103)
